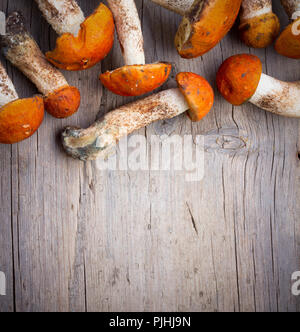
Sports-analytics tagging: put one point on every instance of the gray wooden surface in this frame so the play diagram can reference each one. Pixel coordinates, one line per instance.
(73, 238)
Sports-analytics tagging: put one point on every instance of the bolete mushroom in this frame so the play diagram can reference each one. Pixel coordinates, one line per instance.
(135, 78)
(19, 118)
(194, 93)
(240, 79)
(61, 100)
(288, 43)
(82, 43)
(204, 23)
(259, 25)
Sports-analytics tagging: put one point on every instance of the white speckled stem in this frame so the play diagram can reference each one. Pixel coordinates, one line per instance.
(129, 30)
(7, 89)
(292, 8)
(178, 6)
(129, 118)
(63, 15)
(98, 140)
(278, 97)
(254, 8)
(29, 59)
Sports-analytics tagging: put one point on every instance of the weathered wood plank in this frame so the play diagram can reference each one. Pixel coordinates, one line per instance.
(6, 233)
(76, 238)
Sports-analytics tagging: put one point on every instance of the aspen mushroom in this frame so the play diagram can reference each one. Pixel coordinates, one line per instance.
(135, 78)
(288, 43)
(82, 43)
(259, 25)
(204, 23)
(240, 79)
(61, 100)
(194, 93)
(19, 118)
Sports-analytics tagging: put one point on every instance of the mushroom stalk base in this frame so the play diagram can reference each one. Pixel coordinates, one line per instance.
(129, 30)
(65, 16)
(178, 6)
(291, 7)
(278, 97)
(99, 140)
(255, 8)
(7, 89)
(23, 52)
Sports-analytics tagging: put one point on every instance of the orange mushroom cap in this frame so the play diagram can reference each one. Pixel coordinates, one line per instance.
(238, 78)
(20, 119)
(260, 31)
(93, 43)
(198, 94)
(204, 26)
(63, 102)
(136, 80)
(288, 43)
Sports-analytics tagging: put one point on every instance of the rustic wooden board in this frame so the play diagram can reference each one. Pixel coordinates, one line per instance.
(74, 238)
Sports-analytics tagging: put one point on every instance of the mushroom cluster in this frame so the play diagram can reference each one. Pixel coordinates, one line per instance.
(61, 100)
(83, 42)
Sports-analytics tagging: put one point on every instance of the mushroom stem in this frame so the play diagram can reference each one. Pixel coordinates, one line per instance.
(7, 89)
(65, 16)
(254, 8)
(278, 97)
(129, 30)
(23, 52)
(240, 79)
(292, 7)
(99, 139)
(178, 6)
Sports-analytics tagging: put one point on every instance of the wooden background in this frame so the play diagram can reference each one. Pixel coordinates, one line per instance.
(73, 238)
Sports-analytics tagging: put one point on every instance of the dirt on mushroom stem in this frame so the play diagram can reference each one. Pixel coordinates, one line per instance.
(65, 16)
(7, 89)
(240, 79)
(22, 51)
(98, 140)
(291, 6)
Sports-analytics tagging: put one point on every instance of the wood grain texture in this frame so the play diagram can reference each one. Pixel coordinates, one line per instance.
(74, 238)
